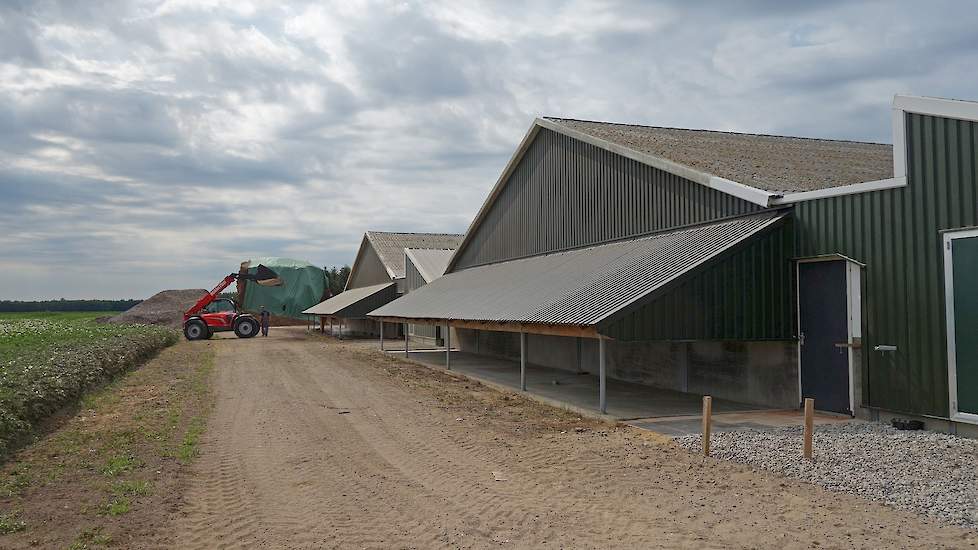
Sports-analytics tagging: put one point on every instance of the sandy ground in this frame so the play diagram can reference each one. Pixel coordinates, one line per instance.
(316, 443)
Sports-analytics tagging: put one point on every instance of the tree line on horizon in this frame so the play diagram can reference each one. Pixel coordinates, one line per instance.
(19, 306)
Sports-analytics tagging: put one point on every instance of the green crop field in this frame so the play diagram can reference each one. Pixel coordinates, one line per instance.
(47, 360)
(56, 315)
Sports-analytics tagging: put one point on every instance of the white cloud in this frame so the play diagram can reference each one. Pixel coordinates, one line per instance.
(157, 143)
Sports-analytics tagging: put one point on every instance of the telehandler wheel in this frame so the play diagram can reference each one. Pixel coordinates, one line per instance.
(195, 330)
(246, 328)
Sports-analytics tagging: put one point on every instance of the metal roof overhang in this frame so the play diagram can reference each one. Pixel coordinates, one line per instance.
(355, 302)
(576, 291)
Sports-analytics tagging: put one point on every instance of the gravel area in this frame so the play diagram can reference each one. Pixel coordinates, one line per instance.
(924, 472)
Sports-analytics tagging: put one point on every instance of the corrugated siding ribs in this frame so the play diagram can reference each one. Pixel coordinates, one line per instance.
(896, 233)
(566, 194)
(356, 302)
(578, 287)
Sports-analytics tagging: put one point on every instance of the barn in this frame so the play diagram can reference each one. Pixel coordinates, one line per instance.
(376, 277)
(759, 269)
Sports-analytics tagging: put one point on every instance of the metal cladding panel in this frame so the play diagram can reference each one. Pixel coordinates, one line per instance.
(369, 270)
(430, 263)
(361, 308)
(566, 194)
(356, 302)
(744, 294)
(896, 233)
(413, 279)
(579, 287)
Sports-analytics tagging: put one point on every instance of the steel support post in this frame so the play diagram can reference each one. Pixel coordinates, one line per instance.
(602, 383)
(381, 335)
(522, 361)
(407, 345)
(448, 347)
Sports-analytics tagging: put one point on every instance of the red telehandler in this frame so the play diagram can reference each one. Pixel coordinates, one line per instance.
(211, 314)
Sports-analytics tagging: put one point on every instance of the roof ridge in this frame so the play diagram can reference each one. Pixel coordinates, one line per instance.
(558, 120)
(372, 232)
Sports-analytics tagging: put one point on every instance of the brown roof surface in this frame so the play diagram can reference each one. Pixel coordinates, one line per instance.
(390, 246)
(777, 164)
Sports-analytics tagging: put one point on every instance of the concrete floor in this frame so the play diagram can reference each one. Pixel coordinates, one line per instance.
(668, 412)
(626, 401)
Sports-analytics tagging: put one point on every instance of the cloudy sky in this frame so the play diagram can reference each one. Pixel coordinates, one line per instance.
(148, 145)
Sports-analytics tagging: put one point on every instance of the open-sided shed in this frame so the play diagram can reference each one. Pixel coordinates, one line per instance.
(797, 267)
(377, 277)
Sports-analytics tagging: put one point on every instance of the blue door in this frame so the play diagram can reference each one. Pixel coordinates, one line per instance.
(824, 334)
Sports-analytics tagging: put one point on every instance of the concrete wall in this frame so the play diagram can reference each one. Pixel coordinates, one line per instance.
(368, 328)
(756, 372)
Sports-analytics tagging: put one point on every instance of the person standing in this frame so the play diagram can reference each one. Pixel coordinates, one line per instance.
(266, 318)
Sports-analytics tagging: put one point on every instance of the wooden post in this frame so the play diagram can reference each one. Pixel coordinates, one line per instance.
(809, 426)
(707, 421)
(381, 335)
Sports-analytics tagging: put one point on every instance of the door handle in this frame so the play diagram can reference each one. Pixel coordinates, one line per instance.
(885, 347)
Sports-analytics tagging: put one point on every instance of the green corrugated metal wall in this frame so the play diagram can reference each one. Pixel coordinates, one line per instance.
(746, 294)
(896, 233)
(360, 309)
(566, 194)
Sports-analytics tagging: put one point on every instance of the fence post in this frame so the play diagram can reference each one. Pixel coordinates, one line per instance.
(809, 426)
(707, 420)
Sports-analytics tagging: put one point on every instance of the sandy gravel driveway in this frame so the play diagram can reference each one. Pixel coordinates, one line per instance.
(316, 443)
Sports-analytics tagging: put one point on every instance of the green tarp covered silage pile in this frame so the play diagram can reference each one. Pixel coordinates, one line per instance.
(302, 287)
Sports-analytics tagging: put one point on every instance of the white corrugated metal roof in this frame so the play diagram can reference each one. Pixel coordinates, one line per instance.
(578, 287)
(345, 299)
(431, 262)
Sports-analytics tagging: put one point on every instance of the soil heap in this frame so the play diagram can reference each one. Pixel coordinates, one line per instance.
(164, 308)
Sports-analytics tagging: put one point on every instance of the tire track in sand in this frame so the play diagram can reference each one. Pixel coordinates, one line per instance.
(281, 467)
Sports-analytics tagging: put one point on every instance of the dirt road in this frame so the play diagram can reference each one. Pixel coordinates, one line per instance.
(316, 443)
